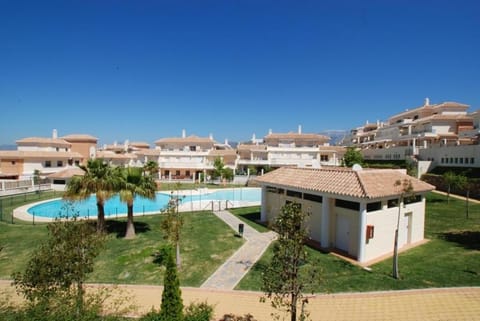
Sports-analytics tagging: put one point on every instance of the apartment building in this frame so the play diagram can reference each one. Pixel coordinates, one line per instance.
(294, 149)
(45, 155)
(443, 134)
(189, 157)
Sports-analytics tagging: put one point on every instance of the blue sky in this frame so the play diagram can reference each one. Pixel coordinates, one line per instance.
(142, 70)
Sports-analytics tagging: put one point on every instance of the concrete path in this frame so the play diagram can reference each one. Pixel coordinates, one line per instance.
(227, 276)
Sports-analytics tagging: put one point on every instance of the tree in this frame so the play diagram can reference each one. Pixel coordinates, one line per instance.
(171, 308)
(151, 169)
(99, 178)
(352, 156)
(135, 183)
(406, 192)
(172, 224)
(218, 167)
(61, 263)
(288, 276)
(461, 183)
(450, 178)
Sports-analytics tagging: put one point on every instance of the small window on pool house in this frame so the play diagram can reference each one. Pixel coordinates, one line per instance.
(375, 206)
(392, 203)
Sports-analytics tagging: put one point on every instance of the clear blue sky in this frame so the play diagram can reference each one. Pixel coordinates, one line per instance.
(142, 70)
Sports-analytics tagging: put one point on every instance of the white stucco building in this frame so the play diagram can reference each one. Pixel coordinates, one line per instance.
(289, 149)
(351, 211)
(435, 133)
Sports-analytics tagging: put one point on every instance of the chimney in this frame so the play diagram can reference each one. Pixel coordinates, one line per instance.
(184, 133)
(254, 138)
(299, 129)
(210, 136)
(270, 131)
(427, 101)
(226, 141)
(54, 134)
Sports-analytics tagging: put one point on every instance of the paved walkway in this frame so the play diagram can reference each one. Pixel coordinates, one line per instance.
(227, 276)
(450, 304)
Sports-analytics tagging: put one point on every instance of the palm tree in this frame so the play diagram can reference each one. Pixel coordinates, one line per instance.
(99, 179)
(151, 168)
(135, 183)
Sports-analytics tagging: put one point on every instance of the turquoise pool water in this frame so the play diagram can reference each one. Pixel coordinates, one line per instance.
(113, 207)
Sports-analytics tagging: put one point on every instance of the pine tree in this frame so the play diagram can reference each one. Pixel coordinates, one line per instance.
(172, 304)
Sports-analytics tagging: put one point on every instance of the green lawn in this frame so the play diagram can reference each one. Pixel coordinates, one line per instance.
(450, 258)
(251, 216)
(206, 243)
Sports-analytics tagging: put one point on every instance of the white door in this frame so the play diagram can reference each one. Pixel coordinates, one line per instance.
(342, 235)
(408, 228)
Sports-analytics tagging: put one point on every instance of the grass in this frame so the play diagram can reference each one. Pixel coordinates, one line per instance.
(206, 243)
(251, 216)
(450, 258)
(9, 203)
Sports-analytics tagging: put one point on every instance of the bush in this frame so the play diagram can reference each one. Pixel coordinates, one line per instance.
(198, 312)
(233, 317)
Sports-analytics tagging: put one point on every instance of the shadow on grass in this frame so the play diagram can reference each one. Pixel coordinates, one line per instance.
(254, 218)
(437, 200)
(120, 227)
(468, 239)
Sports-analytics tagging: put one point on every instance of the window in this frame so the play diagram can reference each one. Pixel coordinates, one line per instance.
(193, 148)
(57, 149)
(461, 160)
(451, 160)
(271, 189)
(466, 160)
(59, 163)
(347, 204)
(472, 160)
(187, 173)
(313, 197)
(77, 162)
(59, 181)
(412, 199)
(177, 173)
(48, 164)
(13, 162)
(392, 203)
(456, 160)
(294, 194)
(375, 206)
(442, 160)
(324, 158)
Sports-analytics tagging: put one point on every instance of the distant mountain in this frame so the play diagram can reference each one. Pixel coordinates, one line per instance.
(8, 147)
(336, 135)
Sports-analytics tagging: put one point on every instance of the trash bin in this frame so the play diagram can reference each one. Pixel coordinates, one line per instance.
(240, 229)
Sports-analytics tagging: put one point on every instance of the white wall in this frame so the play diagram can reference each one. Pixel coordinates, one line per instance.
(461, 151)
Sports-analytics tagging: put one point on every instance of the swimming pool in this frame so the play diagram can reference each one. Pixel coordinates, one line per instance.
(113, 207)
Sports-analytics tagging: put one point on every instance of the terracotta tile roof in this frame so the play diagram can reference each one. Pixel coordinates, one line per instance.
(43, 141)
(260, 147)
(112, 155)
(67, 173)
(444, 117)
(294, 135)
(366, 183)
(140, 144)
(185, 140)
(149, 152)
(19, 154)
(222, 152)
(80, 138)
